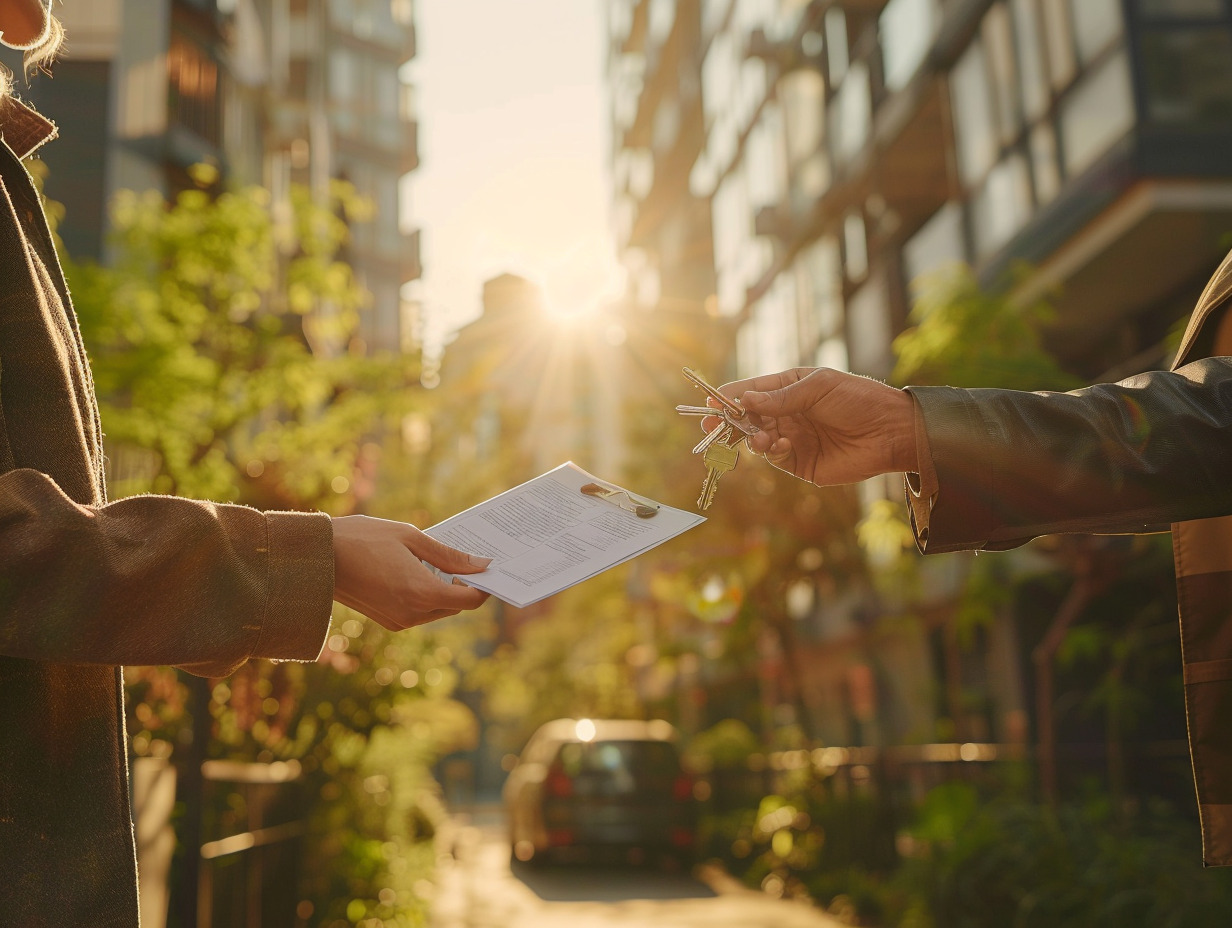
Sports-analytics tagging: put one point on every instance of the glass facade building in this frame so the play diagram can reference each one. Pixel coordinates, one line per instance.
(839, 150)
(846, 148)
(273, 92)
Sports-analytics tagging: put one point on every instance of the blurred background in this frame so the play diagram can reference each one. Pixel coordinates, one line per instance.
(396, 256)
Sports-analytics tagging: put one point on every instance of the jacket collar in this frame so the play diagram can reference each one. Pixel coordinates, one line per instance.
(1218, 289)
(23, 129)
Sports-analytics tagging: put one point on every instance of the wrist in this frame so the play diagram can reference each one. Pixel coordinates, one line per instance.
(901, 441)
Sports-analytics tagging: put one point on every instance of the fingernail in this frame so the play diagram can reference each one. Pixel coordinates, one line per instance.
(477, 561)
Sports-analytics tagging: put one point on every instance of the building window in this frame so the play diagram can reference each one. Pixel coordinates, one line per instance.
(836, 44)
(802, 94)
(1192, 9)
(974, 128)
(907, 28)
(713, 12)
(192, 87)
(1046, 172)
(1097, 112)
(868, 329)
(1031, 65)
(1097, 24)
(1062, 64)
(768, 342)
(938, 243)
(660, 18)
(855, 245)
(851, 113)
(766, 160)
(832, 353)
(782, 347)
(819, 291)
(1188, 74)
(748, 358)
(999, 43)
(1002, 206)
(734, 247)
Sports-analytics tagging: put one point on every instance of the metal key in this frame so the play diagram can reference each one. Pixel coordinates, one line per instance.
(720, 433)
(719, 458)
(724, 402)
(728, 409)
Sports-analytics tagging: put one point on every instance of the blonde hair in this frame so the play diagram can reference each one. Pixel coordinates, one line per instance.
(38, 58)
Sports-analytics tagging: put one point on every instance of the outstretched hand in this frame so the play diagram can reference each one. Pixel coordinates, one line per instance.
(826, 426)
(379, 570)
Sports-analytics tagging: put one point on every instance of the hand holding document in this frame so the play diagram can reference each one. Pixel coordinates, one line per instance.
(557, 530)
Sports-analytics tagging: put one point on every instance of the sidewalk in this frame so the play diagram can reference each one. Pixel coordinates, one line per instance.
(475, 888)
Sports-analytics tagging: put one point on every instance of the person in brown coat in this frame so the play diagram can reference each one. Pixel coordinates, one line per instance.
(991, 469)
(87, 585)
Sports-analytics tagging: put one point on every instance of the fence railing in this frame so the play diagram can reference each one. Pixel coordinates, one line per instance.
(249, 879)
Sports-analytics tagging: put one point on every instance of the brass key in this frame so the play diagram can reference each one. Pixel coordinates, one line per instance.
(720, 458)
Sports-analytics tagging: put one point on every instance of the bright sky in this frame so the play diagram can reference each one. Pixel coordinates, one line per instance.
(513, 173)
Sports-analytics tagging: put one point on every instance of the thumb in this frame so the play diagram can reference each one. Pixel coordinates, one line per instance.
(785, 401)
(441, 555)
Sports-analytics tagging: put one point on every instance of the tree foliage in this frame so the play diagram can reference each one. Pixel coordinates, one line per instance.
(227, 360)
(224, 348)
(971, 336)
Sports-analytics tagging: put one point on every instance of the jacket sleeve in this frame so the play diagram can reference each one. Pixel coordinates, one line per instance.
(1128, 457)
(158, 580)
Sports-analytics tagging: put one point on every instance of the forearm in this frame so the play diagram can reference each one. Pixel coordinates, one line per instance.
(1113, 458)
(158, 580)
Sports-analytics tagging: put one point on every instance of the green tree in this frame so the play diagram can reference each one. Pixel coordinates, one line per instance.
(972, 336)
(225, 351)
(226, 356)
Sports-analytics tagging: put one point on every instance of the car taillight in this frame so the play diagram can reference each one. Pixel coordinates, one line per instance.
(682, 837)
(560, 837)
(682, 789)
(558, 783)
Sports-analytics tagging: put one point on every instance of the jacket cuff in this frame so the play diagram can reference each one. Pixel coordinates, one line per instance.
(965, 480)
(300, 588)
(921, 484)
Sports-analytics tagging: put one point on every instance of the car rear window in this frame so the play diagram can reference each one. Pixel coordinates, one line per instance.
(612, 767)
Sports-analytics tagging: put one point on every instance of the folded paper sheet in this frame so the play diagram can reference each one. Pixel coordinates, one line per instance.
(547, 534)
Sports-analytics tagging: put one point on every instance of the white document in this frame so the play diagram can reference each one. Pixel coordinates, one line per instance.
(547, 535)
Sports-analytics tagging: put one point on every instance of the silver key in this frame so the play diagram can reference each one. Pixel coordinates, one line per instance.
(727, 409)
(724, 402)
(720, 458)
(720, 433)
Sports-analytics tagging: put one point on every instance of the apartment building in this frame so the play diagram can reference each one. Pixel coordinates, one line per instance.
(272, 92)
(844, 148)
(663, 230)
(852, 147)
(336, 106)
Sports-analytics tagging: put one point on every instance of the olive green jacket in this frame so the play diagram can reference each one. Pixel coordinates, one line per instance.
(87, 586)
(1152, 451)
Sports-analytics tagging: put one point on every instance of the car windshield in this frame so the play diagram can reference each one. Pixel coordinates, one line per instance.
(615, 767)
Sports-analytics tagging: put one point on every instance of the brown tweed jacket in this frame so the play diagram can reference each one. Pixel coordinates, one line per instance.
(87, 586)
(1151, 451)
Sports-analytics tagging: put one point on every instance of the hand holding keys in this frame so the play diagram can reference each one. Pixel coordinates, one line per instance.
(719, 448)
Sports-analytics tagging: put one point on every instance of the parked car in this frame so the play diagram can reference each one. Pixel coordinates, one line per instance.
(601, 789)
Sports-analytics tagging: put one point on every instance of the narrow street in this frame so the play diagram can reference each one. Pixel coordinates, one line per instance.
(476, 888)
